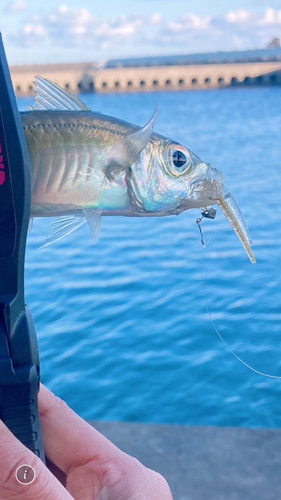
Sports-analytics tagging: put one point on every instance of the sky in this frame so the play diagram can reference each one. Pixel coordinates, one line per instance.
(97, 30)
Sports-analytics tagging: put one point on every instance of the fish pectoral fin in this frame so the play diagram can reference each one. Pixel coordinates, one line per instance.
(93, 218)
(61, 227)
(124, 152)
(49, 95)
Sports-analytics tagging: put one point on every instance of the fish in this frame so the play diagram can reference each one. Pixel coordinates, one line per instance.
(85, 165)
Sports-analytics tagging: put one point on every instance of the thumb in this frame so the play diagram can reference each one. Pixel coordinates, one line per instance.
(31, 481)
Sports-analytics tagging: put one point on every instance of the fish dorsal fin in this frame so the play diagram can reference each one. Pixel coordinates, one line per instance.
(123, 153)
(62, 226)
(51, 96)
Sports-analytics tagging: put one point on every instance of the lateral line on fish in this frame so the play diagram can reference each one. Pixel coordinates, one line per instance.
(59, 126)
(258, 372)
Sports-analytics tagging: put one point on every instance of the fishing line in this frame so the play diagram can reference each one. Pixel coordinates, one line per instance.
(198, 221)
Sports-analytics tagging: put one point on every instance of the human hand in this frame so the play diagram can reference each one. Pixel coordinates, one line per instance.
(87, 465)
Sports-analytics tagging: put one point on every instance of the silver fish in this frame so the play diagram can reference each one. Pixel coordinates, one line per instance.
(85, 165)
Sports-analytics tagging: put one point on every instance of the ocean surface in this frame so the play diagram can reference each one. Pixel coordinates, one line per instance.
(126, 327)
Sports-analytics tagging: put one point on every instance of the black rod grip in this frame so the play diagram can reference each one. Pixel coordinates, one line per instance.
(20, 411)
(19, 359)
(19, 387)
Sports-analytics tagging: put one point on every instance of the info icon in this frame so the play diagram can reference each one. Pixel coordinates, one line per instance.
(25, 474)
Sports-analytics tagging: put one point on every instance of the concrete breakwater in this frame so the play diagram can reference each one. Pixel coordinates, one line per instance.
(88, 77)
(205, 463)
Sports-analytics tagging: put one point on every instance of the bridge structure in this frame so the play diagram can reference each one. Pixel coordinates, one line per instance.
(88, 77)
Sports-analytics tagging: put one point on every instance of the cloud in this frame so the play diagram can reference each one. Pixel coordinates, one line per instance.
(189, 22)
(238, 16)
(34, 30)
(16, 6)
(78, 33)
(156, 18)
(236, 30)
(271, 17)
(68, 25)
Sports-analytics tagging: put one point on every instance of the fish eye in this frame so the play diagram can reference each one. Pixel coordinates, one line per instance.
(179, 159)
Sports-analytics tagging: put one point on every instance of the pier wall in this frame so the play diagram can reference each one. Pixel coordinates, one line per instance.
(205, 463)
(88, 78)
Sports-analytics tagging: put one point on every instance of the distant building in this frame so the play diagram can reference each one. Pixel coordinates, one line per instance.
(274, 44)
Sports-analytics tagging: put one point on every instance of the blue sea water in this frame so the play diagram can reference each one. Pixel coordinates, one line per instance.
(123, 328)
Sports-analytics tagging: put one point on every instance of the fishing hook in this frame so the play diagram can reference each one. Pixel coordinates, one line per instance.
(207, 213)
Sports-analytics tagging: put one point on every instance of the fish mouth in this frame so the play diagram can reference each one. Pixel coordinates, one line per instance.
(207, 188)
